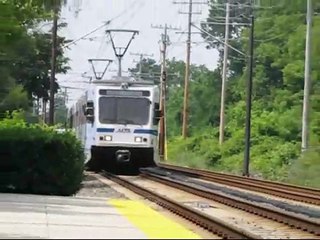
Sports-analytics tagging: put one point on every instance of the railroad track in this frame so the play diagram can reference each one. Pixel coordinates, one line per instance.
(294, 220)
(210, 223)
(292, 192)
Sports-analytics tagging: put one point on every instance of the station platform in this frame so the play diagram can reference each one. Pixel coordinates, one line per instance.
(36, 216)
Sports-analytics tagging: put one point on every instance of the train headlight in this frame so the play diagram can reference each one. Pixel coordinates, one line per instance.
(138, 139)
(108, 138)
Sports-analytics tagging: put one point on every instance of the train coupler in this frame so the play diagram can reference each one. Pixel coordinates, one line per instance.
(123, 156)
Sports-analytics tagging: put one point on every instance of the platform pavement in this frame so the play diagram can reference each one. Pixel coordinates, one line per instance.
(35, 216)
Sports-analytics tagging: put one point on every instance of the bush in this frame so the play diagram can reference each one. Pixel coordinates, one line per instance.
(38, 160)
(305, 170)
(183, 152)
(270, 156)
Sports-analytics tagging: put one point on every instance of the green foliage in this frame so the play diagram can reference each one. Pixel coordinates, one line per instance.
(186, 153)
(60, 108)
(203, 86)
(25, 54)
(278, 81)
(36, 159)
(270, 156)
(149, 68)
(305, 170)
(277, 98)
(36, 64)
(16, 98)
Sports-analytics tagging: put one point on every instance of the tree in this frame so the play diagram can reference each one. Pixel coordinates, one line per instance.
(36, 74)
(13, 34)
(277, 92)
(60, 108)
(24, 54)
(149, 69)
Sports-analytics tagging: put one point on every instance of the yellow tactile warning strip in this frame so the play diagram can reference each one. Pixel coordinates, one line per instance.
(152, 223)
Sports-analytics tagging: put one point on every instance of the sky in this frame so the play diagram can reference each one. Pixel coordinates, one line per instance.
(140, 15)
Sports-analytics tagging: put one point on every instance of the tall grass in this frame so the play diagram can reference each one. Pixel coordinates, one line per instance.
(306, 169)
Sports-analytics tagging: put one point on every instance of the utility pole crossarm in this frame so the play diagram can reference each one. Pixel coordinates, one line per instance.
(165, 26)
(188, 33)
(198, 13)
(141, 55)
(204, 2)
(221, 23)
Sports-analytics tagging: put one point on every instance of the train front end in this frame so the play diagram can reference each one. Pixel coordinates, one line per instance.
(124, 132)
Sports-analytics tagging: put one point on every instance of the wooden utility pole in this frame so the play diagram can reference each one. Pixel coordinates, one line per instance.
(246, 161)
(163, 79)
(53, 62)
(163, 87)
(224, 77)
(307, 81)
(187, 71)
(187, 76)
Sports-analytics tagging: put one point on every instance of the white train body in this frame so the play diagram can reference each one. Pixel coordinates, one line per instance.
(117, 122)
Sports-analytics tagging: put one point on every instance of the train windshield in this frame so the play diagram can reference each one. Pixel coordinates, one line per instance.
(116, 110)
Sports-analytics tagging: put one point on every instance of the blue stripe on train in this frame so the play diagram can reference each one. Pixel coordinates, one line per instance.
(105, 130)
(146, 131)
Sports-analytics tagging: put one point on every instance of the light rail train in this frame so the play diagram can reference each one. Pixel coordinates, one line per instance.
(117, 123)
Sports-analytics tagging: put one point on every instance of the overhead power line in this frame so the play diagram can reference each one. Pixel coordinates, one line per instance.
(86, 35)
(103, 25)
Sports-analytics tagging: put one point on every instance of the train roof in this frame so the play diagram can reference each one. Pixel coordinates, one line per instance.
(118, 81)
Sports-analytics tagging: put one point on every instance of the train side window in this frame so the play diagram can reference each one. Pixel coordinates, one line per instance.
(156, 105)
(157, 114)
(89, 111)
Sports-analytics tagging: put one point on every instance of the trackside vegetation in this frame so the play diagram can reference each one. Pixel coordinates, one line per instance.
(278, 82)
(277, 96)
(36, 159)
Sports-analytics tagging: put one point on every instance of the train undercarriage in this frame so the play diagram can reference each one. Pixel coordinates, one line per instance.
(126, 160)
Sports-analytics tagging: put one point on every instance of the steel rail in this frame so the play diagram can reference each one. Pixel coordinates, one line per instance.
(210, 223)
(288, 191)
(299, 222)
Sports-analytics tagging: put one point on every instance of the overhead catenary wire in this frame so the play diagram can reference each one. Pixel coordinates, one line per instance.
(128, 8)
(101, 26)
(86, 35)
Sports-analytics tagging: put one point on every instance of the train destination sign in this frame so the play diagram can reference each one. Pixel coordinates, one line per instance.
(127, 93)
